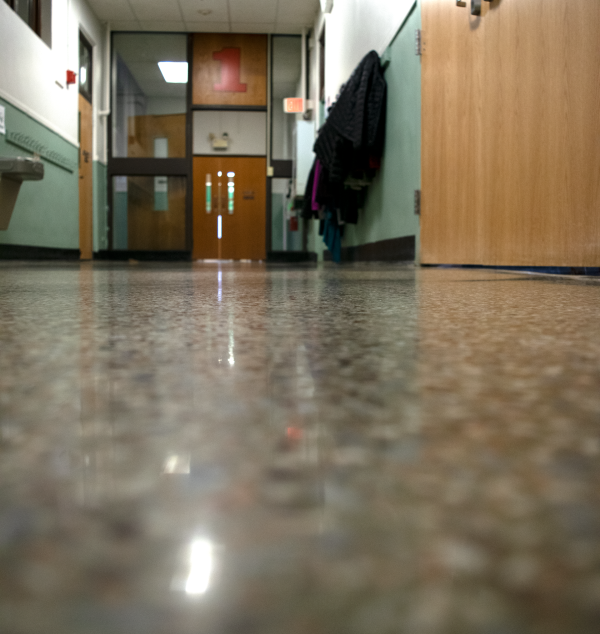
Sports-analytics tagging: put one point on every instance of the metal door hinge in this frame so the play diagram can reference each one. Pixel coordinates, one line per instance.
(417, 202)
(418, 42)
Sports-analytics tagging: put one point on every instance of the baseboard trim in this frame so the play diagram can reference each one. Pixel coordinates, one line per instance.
(540, 270)
(393, 250)
(274, 257)
(21, 252)
(144, 256)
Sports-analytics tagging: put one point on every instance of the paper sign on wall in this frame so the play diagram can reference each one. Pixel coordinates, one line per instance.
(2, 120)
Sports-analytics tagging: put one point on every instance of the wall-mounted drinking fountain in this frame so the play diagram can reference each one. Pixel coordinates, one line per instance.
(13, 171)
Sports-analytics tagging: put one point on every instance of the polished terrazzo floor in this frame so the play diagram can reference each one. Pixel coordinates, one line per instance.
(236, 449)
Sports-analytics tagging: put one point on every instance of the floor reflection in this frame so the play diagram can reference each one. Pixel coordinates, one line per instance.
(229, 448)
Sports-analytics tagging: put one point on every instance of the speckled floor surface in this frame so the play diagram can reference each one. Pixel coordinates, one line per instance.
(358, 450)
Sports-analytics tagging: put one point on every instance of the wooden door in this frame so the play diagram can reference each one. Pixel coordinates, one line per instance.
(511, 133)
(85, 179)
(238, 196)
(156, 213)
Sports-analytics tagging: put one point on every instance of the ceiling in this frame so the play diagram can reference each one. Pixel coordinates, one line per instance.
(212, 16)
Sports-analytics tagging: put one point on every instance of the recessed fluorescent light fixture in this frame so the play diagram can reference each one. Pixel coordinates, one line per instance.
(174, 72)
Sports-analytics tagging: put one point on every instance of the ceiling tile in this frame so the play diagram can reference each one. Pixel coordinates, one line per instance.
(207, 27)
(112, 10)
(253, 27)
(155, 10)
(293, 11)
(162, 25)
(125, 25)
(255, 11)
(209, 10)
(247, 16)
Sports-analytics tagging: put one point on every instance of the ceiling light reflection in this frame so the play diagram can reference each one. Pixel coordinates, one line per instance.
(174, 72)
(201, 565)
(177, 464)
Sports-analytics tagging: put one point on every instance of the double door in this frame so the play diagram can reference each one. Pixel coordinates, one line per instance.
(229, 208)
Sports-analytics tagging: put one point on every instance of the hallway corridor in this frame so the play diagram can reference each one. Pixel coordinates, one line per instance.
(243, 449)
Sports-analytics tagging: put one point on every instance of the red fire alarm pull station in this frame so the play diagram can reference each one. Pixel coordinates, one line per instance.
(294, 223)
(71, 77)
(293, 105)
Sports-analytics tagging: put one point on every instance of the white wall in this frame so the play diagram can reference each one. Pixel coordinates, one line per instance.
(353, 28)
(30, 72)
(305, 138)
(247, 132)
(85, 20)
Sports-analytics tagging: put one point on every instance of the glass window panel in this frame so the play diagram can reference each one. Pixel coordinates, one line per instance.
(149, 213)
(287, 70)
(85, 68)
(147, 106)
(23, 8)
(36, 13)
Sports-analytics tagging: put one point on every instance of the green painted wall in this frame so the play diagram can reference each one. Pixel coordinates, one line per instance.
(100, 207)
(389, 209)
(47, 211)
(120, 224)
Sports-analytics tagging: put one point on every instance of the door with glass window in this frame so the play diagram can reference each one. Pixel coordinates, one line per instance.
(229, 207)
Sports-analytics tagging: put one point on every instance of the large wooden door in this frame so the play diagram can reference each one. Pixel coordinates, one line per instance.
(85, 179)
(233, 189)
(511, 133)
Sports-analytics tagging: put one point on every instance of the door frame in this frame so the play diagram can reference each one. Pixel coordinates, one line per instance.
(150, 166)
(86, 212)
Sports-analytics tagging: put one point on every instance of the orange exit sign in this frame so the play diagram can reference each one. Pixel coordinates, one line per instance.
(293, 105)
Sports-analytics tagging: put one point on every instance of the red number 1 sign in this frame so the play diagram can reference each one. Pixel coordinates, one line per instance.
(230, 59)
